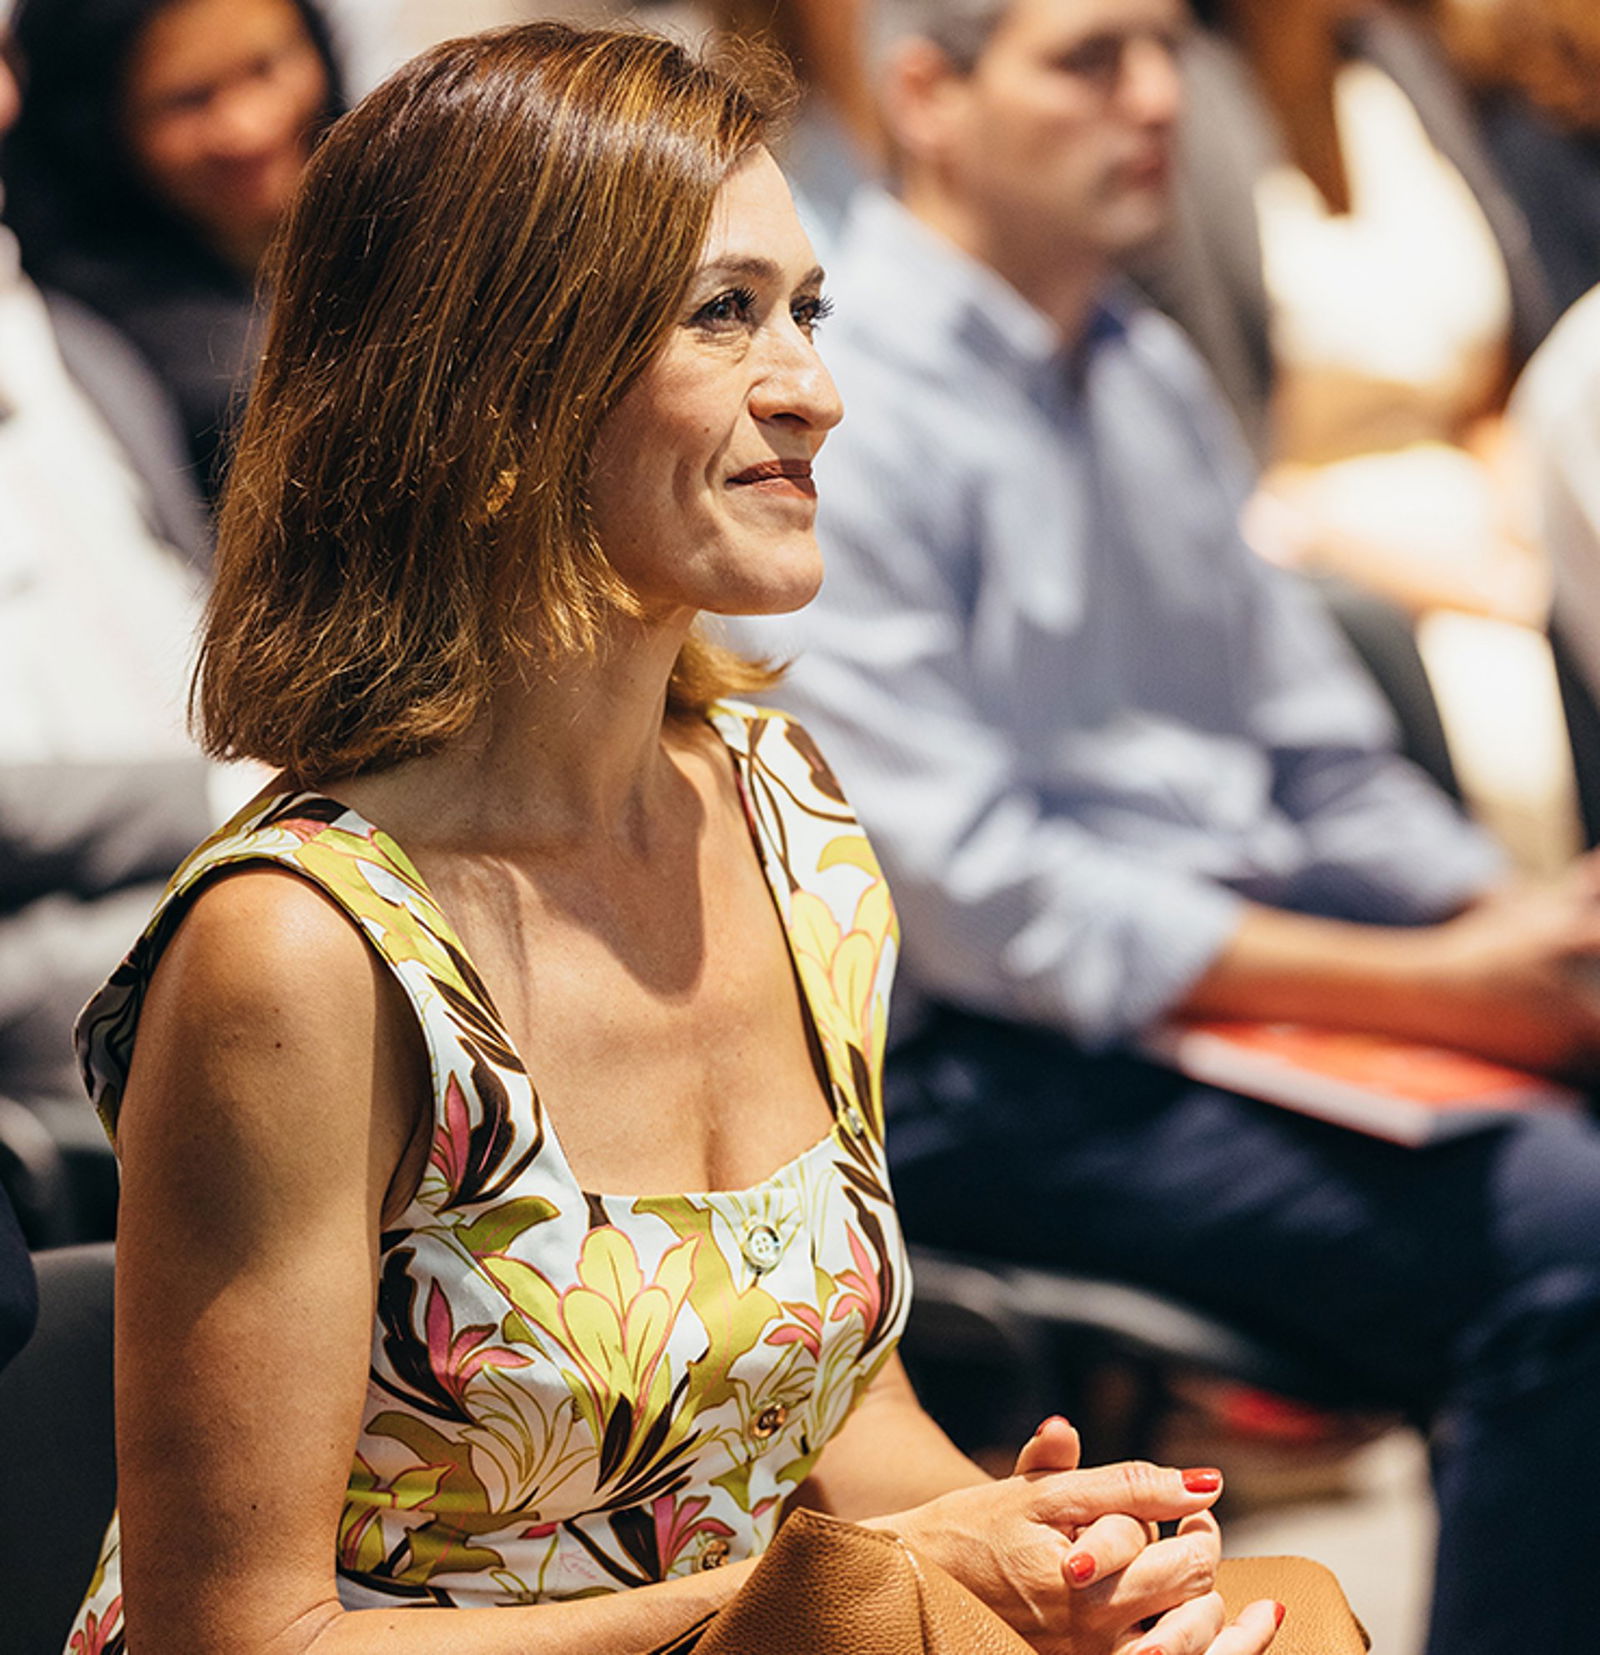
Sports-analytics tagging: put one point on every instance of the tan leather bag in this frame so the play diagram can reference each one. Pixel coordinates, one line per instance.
(1320, 1621)
(830, 1588)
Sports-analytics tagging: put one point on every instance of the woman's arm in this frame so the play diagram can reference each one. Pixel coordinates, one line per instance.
(272, 1098)
(890, 1456)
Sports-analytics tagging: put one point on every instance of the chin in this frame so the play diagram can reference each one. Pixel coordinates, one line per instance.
(768, 603)
(786, 579)
(1140, 219)
(775, 598)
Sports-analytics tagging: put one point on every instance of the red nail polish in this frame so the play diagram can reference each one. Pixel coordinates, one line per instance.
(1081, 1567)
(1202, 1480)
(1278, 1612)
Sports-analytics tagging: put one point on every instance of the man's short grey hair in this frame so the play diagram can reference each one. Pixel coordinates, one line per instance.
(959, 28)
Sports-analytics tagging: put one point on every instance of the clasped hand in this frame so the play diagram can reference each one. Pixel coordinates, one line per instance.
(1067, 1557)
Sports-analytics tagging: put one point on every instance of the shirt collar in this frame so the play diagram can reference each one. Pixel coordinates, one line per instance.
(923, 289)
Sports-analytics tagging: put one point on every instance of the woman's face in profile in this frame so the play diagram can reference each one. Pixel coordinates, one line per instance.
(219, 101)
(701, 486)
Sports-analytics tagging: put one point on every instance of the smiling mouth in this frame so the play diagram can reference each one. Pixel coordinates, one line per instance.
(777, 476)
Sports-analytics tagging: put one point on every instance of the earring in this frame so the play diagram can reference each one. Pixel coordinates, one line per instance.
(505, 485)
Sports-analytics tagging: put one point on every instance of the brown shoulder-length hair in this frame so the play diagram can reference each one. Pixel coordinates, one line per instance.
(481, 259)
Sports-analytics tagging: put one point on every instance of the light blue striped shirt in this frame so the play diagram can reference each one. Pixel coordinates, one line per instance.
(1080, 719)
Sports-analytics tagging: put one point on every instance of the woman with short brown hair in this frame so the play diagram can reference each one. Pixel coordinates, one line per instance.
(540, 387)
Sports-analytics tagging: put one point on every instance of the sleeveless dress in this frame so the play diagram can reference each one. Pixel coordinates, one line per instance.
(572, 1392)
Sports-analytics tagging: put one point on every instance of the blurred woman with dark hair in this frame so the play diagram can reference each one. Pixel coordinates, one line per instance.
(535, 913)
(159, 146)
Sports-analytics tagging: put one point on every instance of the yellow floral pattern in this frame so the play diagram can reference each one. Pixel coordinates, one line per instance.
(572, 1392)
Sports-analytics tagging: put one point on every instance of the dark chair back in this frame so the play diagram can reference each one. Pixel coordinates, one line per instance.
(33, 1172)
(1583, 730)
(56, 1451)
(993, 1347)
(1382, 636)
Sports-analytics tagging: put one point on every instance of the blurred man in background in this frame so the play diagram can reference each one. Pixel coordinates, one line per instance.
(1119, 771)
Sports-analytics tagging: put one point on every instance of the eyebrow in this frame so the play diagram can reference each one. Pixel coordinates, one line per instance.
(758, 269)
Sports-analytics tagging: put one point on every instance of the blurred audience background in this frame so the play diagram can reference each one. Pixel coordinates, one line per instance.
(1533, 70)
(1381, 210)
(159, 144)
(104, 551)
(834, 143)
(1356, 266)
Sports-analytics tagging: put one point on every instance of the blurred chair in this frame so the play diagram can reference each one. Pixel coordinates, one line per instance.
(1583, 730)
(58, 1167)
(93, 1179)
(993, 1348)
(56, 1444)
(33, 1172)
(1382, 635)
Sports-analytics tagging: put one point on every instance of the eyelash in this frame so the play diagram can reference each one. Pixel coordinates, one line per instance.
(735, 307)
(812, 313)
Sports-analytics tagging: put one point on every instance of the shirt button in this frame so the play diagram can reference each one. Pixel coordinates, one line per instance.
(714, 1555)
(770, 1421)
(762, 1248)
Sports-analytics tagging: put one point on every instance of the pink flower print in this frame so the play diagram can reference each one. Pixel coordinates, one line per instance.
(862, 1287)
(451, 1151)
(805, 1329)
(303, 817)
(97, 1634)
(680, 1522)
(472, 1158)
(538, 1531)
(458, 1358)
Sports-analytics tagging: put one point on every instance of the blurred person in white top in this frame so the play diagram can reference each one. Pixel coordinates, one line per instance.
(101, 790)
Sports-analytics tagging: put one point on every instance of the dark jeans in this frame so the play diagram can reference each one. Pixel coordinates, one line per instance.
(1461, 1283)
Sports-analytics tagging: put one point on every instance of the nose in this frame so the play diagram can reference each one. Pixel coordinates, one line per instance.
(796, 387)
(248, 121)
(1152, 80)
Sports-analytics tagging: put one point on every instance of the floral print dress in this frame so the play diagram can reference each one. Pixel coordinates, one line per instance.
(572, 1392)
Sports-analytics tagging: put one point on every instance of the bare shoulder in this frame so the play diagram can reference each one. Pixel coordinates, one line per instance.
(273, 1046)
(257, 945)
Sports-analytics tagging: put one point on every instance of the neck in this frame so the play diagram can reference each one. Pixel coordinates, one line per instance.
(1060, 281)
(564, 755)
